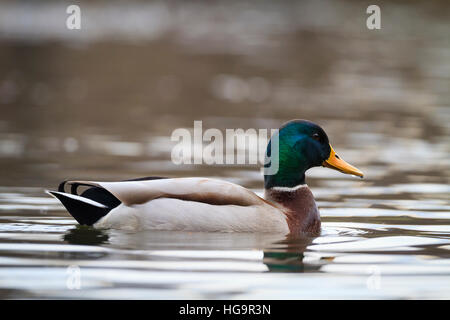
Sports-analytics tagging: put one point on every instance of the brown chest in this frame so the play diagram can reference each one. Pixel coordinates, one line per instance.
(299, 206)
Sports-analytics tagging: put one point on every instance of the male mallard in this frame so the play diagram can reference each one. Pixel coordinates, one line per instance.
(202, 204)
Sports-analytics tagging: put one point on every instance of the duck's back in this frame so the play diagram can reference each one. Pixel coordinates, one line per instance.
(190, 204)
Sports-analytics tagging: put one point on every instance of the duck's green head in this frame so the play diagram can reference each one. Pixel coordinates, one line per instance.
(302, 145)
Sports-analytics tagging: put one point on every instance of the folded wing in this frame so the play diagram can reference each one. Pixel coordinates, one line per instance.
(204, 190)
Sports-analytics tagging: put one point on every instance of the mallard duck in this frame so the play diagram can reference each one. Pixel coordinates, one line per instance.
(203, 204)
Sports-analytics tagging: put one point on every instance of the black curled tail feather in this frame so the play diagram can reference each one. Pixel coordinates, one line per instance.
(93, 203)
(85, 211)
(89, 207)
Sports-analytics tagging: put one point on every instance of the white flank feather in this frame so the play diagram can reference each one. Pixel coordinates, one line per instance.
(175, 214)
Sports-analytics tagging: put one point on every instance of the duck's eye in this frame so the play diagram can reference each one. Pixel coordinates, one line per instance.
(316, 136)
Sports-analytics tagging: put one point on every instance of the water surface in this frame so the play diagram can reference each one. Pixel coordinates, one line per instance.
(101, 104)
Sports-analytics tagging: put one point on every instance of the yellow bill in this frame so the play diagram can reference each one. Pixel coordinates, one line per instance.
(336, 163)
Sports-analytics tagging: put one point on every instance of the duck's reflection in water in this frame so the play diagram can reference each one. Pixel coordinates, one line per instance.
(85, 235)
(289, 256)
(274, 252)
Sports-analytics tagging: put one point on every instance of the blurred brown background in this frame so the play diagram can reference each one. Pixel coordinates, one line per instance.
(102, 102)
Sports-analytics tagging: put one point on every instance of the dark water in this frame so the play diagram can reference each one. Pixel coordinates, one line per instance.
(101, 103)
